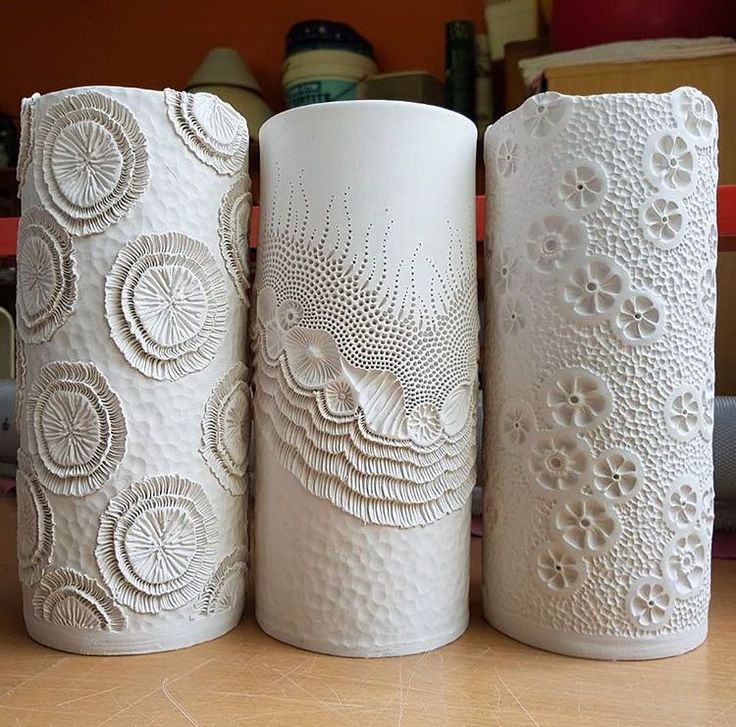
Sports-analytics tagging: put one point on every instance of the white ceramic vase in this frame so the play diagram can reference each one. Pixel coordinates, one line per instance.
(133, 399)
(365, 377)
(600, 261)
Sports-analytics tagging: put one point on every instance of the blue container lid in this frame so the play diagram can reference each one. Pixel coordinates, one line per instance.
(326, 35)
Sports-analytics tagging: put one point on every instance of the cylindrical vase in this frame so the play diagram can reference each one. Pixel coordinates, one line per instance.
(133, 398)
(365, 377)
(599, 350)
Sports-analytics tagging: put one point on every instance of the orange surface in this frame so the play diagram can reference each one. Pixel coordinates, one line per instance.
(726, 223)
(52, 44)
(726, 203)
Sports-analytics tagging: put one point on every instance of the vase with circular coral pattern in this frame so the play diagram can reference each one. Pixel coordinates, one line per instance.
(133, 397)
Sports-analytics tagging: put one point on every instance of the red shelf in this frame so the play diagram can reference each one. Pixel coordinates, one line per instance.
(726, 223)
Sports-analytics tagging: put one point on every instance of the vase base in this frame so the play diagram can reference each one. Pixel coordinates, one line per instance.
(120, 643)
(362, 650)
(610, 648)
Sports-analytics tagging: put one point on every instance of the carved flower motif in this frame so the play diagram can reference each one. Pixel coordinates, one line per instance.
(277, 320)
(507, 159)
(155, 543)
(684, 563)
(683, 412)
(234, 222)
(582, 187)
(171, 304)
(225, 591)
(682, 504)
(226, 430)
(67, 598)
(35, 523)
(593, 289)
(77, 427)
(339, 398)
(513, 317)
(516, 422)
(650, 603)
(312, 356)
(671, 162)
(47, 277)
(587, 524)
(640, 319)
(166, 305)
(554, 242)
(707, 300)
(86, 163)
(27, 135)
(93, 165)
(559, 462)
(560, 570)
(542, 114)
(577, 398)
(699, 114)
(663, 222)
(290, 314)
(215, 133)
(505, 270)
(617, 475)
(423, 424)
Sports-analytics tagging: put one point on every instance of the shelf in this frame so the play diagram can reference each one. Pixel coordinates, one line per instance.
(726, 223)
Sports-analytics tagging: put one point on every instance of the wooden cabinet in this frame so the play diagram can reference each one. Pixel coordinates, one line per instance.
(713, 76)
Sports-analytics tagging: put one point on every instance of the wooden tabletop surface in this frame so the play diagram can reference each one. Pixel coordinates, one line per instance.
(245, 677)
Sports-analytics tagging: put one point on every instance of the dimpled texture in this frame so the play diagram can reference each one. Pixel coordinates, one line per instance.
(360, 590)
(163, 418)
(636, 378)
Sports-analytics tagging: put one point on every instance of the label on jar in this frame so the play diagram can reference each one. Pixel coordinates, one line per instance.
(309, 92)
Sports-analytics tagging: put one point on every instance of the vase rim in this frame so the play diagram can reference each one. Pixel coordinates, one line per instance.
(100, 87)
(386, 104)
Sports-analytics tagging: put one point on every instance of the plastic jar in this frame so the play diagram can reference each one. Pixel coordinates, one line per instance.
(325, 61)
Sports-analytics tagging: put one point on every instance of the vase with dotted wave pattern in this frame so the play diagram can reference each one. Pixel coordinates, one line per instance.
(365, 335)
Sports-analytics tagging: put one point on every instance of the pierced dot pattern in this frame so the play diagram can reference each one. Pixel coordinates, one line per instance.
(344, 289)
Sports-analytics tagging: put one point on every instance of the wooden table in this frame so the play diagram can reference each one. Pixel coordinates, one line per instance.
(245, 677)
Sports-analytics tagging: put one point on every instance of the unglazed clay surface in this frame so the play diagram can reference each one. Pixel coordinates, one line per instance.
(601, 252)
(366, 377)
(133, 395)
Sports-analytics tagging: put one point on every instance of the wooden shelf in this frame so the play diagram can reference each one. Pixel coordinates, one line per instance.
(247, 678)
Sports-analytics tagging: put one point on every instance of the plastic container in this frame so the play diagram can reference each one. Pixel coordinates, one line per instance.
(325, 61)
